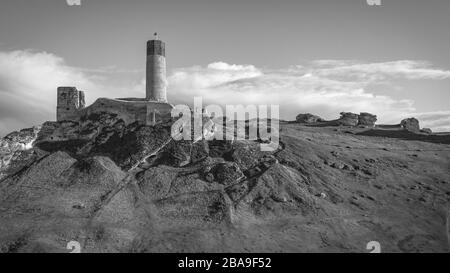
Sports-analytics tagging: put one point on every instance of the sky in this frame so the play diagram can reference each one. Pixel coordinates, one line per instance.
(317, 56)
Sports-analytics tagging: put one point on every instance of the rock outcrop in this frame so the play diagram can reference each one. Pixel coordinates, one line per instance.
(364, 119)
(227, 173)
(131, 188)
(367, 119)
(410, 124)
(12, 148)
(103, 135)
(348, 119)
(308, 118)
(426, 131)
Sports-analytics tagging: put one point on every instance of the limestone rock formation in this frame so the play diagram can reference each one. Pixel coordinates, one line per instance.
(130, 188)
(103, 134)
(426, 131)
(308, 118)
(367, 119)
(13, 147)
(227, 173)
(280, 190)
(348, 119)
(246, 154)
(410, 124)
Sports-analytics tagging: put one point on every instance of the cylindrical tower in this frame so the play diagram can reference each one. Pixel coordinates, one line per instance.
(156, 71)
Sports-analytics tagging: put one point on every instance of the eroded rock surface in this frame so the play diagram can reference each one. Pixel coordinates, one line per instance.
(117, 188)
(308, 118)
(367, 119)
(348, 119)
(410, 124)
(15, 150)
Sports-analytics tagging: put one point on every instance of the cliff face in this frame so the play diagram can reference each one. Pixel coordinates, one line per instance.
(115, 187)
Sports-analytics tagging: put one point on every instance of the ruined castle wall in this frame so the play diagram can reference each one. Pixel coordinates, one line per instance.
(69, 102)
(130, 111)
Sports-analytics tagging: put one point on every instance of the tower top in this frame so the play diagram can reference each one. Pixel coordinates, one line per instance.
(156, 47)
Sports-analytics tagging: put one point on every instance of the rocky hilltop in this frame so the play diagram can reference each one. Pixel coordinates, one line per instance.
(330, 187)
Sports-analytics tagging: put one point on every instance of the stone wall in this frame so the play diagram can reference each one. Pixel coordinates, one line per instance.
(70, 101)
(145, 112)
(71, 107)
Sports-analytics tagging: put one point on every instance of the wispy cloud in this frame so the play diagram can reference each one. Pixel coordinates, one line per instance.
(110, 70)
(28, 83)
(324, 87)
(439, 120)
(412, 70)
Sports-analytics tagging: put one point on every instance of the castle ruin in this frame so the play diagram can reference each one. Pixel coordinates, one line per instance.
(70, 100)
(150, 110)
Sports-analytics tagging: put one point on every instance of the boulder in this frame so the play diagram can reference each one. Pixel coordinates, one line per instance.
(227, 173)
(308, 118)
(209, 177)
(348, 119)
(246, 154)
(367, 120)
(17, 148)
(410, 124)
(105, 134)
(199, 151)
(279, 191)
(155, 183)
(426, 131)
(177, 153)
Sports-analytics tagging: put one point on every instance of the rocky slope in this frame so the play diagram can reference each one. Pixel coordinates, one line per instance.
(131, 188)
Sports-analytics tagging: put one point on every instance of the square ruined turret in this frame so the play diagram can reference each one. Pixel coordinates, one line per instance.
(70, 101)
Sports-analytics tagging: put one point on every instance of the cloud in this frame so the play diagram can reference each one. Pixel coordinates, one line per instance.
(324, 87)
(411, 70)
(439, 120)
(215, 74)
(28, 83)
(110, 70)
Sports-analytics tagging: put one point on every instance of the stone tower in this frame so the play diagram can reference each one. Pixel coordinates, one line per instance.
(156, 89)
(70, 100)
